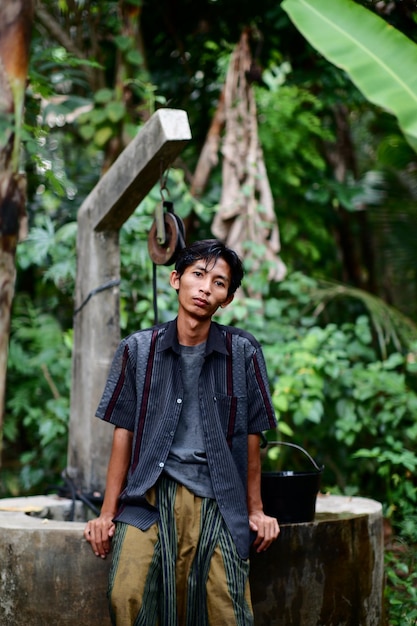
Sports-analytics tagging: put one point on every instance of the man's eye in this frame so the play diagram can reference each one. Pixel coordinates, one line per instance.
(219, 283)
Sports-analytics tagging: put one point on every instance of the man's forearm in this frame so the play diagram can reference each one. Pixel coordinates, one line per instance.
(117, 469)
(254, 475)
(266, 527)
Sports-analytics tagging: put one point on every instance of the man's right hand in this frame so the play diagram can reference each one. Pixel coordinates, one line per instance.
(98, 532)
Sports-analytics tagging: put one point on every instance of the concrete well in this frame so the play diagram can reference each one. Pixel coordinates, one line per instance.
(48, 573)
(325, 573)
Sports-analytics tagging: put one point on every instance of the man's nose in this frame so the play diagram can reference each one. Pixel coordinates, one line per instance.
(205, 285)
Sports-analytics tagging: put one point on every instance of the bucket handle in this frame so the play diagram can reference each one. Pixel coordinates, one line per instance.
(265, 443)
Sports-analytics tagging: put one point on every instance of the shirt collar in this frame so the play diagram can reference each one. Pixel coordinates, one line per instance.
(215, 340)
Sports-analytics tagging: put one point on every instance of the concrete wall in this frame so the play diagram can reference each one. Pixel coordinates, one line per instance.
(325, 573)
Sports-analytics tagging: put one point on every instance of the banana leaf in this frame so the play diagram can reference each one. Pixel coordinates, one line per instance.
(380, 60)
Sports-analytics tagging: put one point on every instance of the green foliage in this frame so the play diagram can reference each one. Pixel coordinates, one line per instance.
(104, 119)
(296, 168)
(36, 419)
(111, 113)
(378, 58)
(401, 584)
(391, 327)
(53, 250)
(53, 68)
(295, 112)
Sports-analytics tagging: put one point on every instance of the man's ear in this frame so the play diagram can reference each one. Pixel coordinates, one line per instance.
(227, 301)
(174, 280)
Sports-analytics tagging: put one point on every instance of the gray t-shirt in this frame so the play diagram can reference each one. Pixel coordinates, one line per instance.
(187, 459)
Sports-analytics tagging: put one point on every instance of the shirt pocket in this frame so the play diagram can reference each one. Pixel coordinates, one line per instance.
(232, 411)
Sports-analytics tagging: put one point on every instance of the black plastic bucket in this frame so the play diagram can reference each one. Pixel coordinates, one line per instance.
(290, 496)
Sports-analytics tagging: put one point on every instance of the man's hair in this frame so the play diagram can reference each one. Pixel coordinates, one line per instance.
(210, 250)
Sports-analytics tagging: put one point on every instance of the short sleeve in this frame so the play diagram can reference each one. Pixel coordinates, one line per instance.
(118, 402)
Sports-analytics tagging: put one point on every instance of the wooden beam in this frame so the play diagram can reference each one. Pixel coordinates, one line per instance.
(137, 169)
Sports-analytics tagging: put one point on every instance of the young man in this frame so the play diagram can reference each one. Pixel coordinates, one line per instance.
(182, 503)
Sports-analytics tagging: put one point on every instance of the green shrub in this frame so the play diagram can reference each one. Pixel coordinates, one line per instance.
(37, 405)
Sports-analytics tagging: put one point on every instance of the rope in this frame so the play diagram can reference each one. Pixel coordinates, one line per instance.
(93, 292)
(155, 294)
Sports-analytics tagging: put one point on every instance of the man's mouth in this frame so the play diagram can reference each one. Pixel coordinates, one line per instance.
(200, 302)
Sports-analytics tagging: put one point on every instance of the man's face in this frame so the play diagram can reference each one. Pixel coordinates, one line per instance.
(203, 287)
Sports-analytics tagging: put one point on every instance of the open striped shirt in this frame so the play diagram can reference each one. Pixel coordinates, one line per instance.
(144, 394)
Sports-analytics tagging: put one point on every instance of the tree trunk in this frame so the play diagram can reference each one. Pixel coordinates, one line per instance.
(353, 233)
(15, 25)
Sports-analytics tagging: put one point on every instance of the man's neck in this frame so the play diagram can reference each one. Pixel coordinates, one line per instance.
(192, 332)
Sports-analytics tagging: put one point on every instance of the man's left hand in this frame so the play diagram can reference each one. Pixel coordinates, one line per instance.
(266, 528)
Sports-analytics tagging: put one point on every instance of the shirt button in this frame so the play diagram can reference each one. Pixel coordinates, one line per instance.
(179, 400)
(161, 464)
(172, 433)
